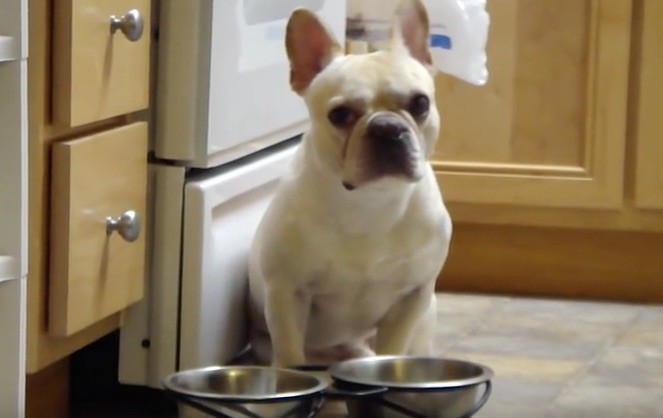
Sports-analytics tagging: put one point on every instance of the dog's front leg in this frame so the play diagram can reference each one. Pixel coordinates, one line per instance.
(286, 312)
(395, 330)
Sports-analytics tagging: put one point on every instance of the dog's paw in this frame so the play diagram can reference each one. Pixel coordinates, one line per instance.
(340, 352)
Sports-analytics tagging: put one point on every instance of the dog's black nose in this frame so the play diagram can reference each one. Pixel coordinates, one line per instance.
(390, 147)
(387, 128)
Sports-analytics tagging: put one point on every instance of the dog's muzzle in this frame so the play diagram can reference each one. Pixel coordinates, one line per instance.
(386, 147)
(391, 145)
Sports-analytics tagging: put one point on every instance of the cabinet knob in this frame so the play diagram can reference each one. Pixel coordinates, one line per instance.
(127, 225)
(131, 24)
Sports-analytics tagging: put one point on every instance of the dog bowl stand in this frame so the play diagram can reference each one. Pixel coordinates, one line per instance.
(214, 409)
(413, 414)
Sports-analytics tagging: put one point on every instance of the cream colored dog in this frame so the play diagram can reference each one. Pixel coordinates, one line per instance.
(345, 260)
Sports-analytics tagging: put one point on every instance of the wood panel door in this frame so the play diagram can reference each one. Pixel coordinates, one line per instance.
(647, 106)
(548, 130)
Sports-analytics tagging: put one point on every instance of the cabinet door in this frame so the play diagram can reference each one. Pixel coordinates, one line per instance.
(548, 129)
(648, 106)
(95, 270)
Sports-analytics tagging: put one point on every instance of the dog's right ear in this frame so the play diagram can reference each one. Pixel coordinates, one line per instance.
(310, 46)
(410, 29)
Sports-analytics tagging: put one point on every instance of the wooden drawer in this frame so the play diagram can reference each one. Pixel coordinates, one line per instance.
(93, 273)
(98, 74)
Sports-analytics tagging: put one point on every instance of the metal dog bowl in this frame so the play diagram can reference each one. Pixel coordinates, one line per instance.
(248, 391)
(415, 386)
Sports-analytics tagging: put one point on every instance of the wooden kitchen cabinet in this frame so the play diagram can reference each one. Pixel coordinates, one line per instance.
(552, 171)
(87, 146)
(550, 140)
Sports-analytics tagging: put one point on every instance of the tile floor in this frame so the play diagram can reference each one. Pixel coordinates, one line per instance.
(554, 358)
(558, 359)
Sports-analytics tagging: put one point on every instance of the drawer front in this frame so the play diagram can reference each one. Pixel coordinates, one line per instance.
(95, 272)
(98, 74)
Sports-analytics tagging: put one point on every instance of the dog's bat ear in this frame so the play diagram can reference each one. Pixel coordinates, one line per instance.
(310, 46)
(410, 29)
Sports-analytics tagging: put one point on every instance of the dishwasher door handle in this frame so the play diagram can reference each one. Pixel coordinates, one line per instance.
(9, 49)
(8, 268)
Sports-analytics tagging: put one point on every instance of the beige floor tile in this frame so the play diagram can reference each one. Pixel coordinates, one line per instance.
(521, 367)
(468, 304)
(564, 412)
(508, 410)
(445, 340)
(599, 313)
(451, 328)
(646, 330)
(458, 323)
(619, 366)
(460, 315)
(651, 315)
(560, 328)
(525, 392)
(642, 337)
(544, 346)
(607, 402)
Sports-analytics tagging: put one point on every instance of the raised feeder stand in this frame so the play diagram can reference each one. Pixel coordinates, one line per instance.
(372, 387)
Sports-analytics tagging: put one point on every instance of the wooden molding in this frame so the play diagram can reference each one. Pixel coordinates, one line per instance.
(554, 262)
(47, 392)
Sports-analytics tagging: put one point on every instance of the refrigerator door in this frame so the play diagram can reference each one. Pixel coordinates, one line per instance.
(195, 312)
(223, 81)
(221, 214)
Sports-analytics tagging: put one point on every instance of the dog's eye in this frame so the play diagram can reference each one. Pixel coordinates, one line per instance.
(341, 116)
(418, 106)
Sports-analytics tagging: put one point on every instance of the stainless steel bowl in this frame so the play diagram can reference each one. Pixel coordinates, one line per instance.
(248, 391)
(416, 386)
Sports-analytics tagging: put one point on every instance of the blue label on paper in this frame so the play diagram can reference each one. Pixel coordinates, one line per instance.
(440, 41)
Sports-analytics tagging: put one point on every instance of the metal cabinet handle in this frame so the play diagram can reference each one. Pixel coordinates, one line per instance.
(127, 225)
(131, 24)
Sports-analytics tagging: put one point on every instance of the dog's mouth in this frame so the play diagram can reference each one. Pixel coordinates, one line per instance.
(386, 147)
(348, 185)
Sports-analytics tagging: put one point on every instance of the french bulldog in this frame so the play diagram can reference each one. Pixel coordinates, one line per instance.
(345, 259)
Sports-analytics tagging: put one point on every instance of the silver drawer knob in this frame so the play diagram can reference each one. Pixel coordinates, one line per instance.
(127, 225)
(131, 24)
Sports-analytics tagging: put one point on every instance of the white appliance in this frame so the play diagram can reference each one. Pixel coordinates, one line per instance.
(13, 204)
(227, 125)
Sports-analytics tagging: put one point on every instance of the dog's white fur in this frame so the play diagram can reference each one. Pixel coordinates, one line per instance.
(337, 273)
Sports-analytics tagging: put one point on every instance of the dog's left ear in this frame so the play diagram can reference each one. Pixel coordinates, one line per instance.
(410, 29)
(310, 46)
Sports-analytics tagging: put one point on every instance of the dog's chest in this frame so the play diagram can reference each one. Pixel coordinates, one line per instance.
(397, 256)
(355, 280)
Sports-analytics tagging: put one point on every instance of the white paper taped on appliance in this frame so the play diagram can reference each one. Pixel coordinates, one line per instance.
(458, 33)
